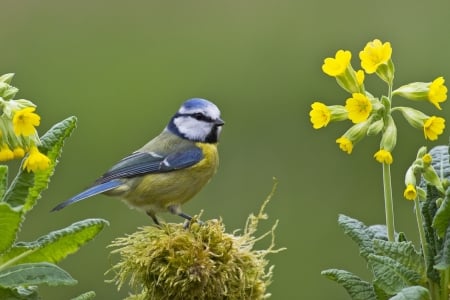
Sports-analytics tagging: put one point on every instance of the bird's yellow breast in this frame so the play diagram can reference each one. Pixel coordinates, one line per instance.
(156, 192)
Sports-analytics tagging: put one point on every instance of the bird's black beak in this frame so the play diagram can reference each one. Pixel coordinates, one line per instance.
(219, 122)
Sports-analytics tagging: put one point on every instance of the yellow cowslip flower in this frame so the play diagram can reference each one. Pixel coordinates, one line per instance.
(427, 159)
(6, 153)
(358, 107)
(345, 144)
(410, 192)
(437, 92)
(336, 66)
(375, 54)
(18, 152)
(360, 77)
(383, 156)
(433, 127)
(25, 120)
(320, 115)
(36, 160)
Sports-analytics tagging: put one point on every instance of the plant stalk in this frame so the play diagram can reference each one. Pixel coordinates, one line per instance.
(388, 203)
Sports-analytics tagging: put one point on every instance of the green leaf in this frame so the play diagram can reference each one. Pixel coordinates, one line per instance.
(19, 293)
(10, 221)
(3, 180)
(390, 275)
(429, 209)
(35, 274)
(357, 288)
(56, 245)
(27, 187)
(441, 161)
(85, 296)
(443, 257)
(361, 234)
(413, 293)
(403, 253)
(441, 219)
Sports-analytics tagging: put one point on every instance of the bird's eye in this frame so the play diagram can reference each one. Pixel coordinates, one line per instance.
(199, 116)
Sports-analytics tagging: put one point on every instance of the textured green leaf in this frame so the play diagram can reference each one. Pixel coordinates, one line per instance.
(390, 275)
(3, 180)
(35, 274)
(428, 209)
(443, 256)
(19, 293)
(441, 219)
(10, 221)
(85, 296)
(441, 161)
(362, 234)
(56, 245)
(413, 293)
(403, 253)
(27, 187)
(357, 288)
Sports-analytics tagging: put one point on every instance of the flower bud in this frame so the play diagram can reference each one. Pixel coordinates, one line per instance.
(427, 159)
(353, 135)
(338, 113)
(376, 127)
(421, 152)
(389, 138)
(414, 117)
(7, 78)
(413, 91)
(410, 176)
(429, 174)
(386, 71)
(349, 81)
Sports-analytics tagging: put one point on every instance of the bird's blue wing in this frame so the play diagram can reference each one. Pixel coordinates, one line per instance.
(138, 164)
(141, 163)
(94, 190)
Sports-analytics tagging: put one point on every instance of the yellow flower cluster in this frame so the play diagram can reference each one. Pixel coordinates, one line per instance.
(18, 122)
(421, 168)
(369, 114)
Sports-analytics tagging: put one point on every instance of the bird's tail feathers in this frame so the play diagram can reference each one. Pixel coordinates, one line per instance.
(92, 191)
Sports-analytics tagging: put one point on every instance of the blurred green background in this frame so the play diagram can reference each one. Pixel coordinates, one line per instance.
(124, 67)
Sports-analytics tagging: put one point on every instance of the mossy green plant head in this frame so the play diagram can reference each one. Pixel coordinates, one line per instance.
(200, 262)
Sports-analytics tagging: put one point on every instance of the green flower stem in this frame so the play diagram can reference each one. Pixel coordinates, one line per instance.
(444, 286)
(420, 226)
(388, 203)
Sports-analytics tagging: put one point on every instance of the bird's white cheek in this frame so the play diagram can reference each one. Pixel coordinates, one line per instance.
(191, 128)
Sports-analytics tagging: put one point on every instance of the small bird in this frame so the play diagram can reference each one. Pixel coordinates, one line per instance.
(170, 169)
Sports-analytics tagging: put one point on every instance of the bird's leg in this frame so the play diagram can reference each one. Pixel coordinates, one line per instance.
(152, 215)
(175, 209)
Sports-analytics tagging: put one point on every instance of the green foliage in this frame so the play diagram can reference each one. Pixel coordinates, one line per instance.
(357, 288)
(85, 296)
(399, 270)
(34, 274)
(24, 265)
(413, 292)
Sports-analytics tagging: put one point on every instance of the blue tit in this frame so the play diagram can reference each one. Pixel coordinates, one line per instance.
(170, 169)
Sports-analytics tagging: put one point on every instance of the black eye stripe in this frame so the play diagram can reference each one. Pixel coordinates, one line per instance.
(197, 116)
